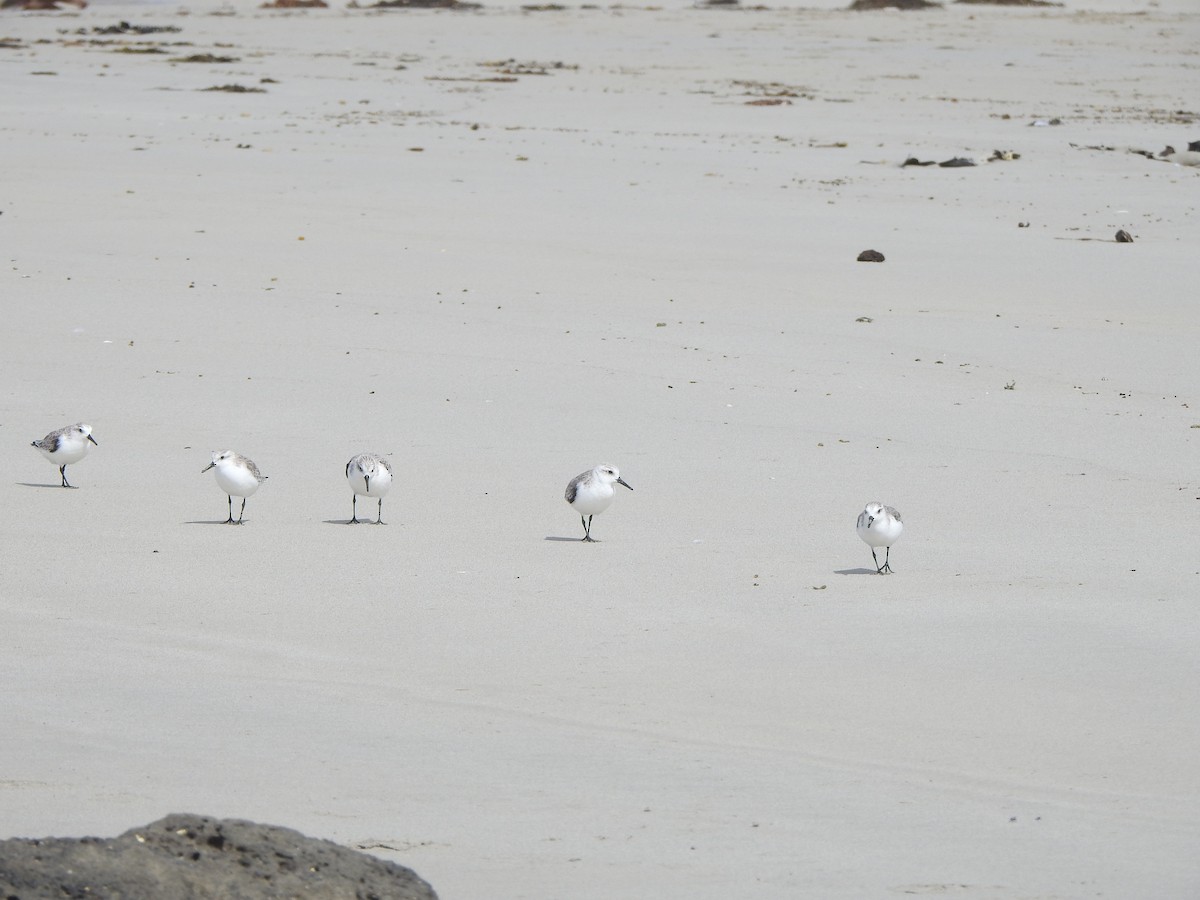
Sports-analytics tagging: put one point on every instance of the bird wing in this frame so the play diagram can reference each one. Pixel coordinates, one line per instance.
(573, 487)
(50, 442)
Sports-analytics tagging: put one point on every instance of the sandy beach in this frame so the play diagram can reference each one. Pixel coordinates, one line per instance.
(502, 246)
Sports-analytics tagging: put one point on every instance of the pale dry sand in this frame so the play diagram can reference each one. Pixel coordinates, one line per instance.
(617, 261)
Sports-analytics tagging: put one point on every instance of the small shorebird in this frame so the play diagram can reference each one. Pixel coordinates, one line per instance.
(880, 526)
(235, 475)
(593, 492)
(65, 446)
(370, 476)
(1188, 157)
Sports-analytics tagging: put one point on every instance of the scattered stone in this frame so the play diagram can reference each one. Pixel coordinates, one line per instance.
(955, 163)
(235, 89)
(1001, 155)
(870, 256)
(1124, 237)
(513, 67)
(190, 857)
(416, 4)
(41, 5)
(1009, 2)
(125, 28)
(204, 58)
(295, 4)
(860, 5)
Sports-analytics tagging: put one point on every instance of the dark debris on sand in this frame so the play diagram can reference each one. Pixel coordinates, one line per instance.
(861, 5)
(204, 58)
(126, 28)
(416, 4)
(41, 5)
(235, 89)
(1009, 2)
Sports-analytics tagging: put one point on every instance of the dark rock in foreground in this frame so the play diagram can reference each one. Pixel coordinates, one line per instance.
(189, 857)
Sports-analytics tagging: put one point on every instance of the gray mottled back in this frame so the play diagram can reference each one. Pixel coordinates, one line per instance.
(573, 487)
(50, 442)
(258, 476)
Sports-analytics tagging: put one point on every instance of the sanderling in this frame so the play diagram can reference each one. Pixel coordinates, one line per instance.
(593, 492)
(1188, 157)
(369, 475)
(235, 475)
(880, 526)
(65, 446)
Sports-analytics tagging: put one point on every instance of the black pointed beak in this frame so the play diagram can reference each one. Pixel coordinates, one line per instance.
(624, 482)
(206, 468)
(93, 440)
(367, 482)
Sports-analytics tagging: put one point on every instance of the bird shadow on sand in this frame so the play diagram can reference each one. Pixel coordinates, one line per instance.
(855, 572)
(352, 522)
(210, 522)
(58, 486)
(568, 540)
